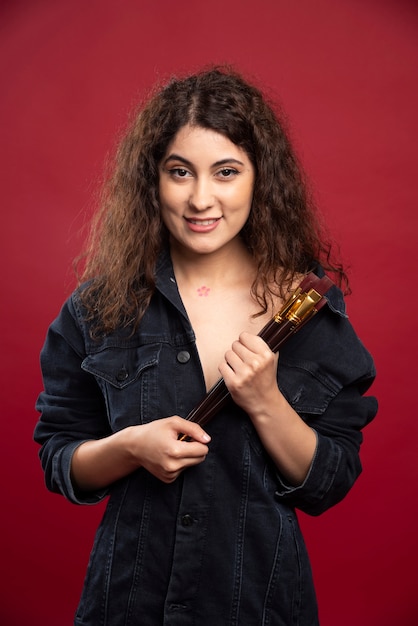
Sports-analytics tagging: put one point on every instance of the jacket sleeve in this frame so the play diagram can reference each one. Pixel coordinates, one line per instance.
(325, 374)
(71, 405)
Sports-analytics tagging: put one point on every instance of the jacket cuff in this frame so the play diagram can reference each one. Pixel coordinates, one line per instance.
(63, 482)
(319, 478)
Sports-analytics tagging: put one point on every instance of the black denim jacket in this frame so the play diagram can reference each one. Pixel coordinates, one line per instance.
(222, 544)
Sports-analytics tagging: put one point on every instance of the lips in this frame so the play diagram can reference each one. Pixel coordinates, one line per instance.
(203, 222)
(202, 225)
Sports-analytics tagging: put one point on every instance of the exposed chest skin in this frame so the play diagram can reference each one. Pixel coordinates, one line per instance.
(218, 318)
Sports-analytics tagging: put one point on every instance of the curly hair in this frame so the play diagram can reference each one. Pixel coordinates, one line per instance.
(283, 232)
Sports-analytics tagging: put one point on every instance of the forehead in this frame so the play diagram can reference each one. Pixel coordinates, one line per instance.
(196, 142)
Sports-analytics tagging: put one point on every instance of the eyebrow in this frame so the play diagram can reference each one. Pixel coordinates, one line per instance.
(177, 157)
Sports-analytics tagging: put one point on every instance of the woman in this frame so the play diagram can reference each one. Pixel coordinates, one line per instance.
(204, 229)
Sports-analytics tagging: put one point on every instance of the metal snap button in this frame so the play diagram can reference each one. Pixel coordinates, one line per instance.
(122, 375)
(183, 356)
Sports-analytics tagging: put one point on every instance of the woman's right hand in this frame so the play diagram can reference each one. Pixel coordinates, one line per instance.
(157, 448)
(96, 464)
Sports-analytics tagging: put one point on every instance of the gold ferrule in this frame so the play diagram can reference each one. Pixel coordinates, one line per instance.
(294, 299)
(304, 306)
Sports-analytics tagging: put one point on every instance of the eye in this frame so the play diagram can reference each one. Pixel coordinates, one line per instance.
(179, 172)
(227, 172)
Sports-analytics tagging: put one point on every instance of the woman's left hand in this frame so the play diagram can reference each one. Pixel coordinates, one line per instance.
(249, 370)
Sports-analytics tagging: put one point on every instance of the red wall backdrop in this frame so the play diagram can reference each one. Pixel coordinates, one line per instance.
(346, 72)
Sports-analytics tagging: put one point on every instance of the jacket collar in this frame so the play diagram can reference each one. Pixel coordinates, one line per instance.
(165, 281)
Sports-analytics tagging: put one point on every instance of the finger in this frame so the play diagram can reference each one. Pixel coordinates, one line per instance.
(188, 462)
(254, 351)
(240, 350)
(254, 343)
(169, 476)
(235, 360)
(184, 455)
(242, 360)
(189, 450)
(190, 430)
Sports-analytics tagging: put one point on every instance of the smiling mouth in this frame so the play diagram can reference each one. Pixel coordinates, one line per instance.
(203, 222)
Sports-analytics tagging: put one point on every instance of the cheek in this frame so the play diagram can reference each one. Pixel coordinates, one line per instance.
(170, 214)
(171, 197)
(162, 195)
(166, 216)
(243, 196)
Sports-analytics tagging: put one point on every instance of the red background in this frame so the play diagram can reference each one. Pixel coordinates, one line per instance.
(346, 72)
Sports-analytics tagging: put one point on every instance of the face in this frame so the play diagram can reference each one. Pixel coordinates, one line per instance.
(206, 189)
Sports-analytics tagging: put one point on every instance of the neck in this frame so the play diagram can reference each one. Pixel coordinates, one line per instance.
(232, 264)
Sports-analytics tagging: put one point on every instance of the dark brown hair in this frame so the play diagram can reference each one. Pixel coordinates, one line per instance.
(283, 232)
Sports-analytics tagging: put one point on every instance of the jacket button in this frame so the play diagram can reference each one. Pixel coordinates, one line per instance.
(183, 356)
(122, 375)
(187, 520)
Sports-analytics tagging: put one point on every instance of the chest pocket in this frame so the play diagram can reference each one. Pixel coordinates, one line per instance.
(121, 366)
(307, 387)
(128, 379)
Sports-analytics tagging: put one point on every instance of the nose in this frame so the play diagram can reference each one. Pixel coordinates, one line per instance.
(201, 195)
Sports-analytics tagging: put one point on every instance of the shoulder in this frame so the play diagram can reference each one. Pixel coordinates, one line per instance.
(334, 296)
(74, 323)
(68, 327)
(330, 342)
